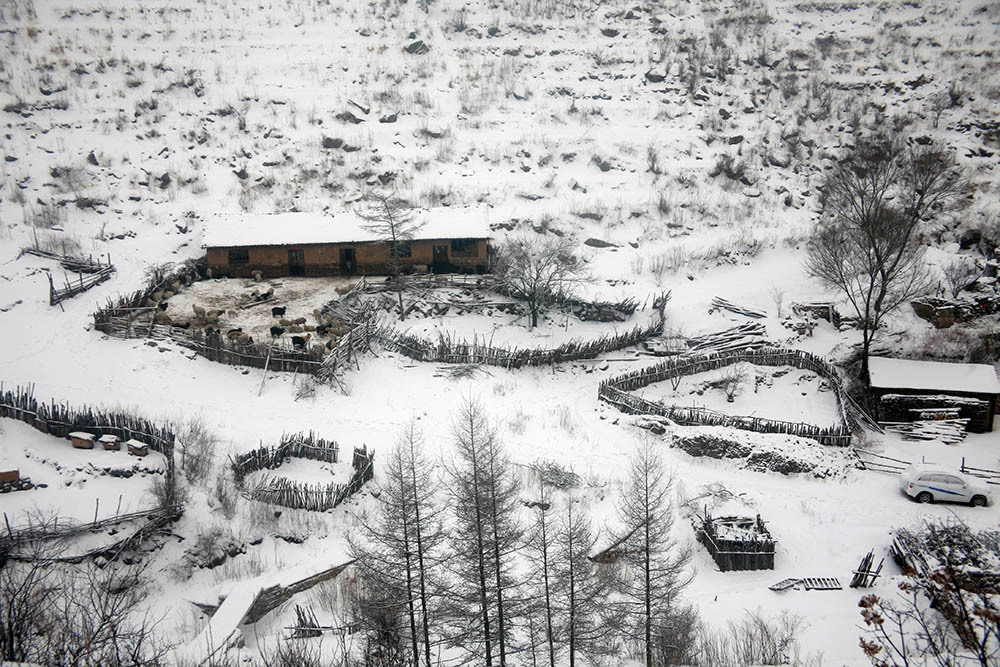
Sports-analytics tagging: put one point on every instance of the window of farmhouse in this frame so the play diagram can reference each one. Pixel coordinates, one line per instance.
(403, 249)
(239, 256)
(463, 248)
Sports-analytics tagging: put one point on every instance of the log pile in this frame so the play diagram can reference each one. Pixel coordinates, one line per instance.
(743, 337)
(948, 431)
(718, 303)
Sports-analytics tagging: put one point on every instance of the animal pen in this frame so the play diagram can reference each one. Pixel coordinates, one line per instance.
(737, 543)
(298, 495)
(616, 392)
(96, 273)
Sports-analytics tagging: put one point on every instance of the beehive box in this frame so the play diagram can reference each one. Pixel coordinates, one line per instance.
(137, 448)
(82, 439)
(111, 442)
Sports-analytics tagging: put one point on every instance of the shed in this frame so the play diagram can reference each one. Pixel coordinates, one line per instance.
(906, 377)
(451, 239)
(110, 442)
(137, 447)
(82, 439)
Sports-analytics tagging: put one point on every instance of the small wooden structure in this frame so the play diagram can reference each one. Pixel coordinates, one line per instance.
(82, 439)
(902, 385)
(137, 447)
(7, 476)
(737, 542)
(110, 442)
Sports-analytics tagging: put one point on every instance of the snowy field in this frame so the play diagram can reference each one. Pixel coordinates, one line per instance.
(125, 121)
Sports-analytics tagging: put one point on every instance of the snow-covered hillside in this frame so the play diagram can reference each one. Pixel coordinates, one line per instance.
(690, 137)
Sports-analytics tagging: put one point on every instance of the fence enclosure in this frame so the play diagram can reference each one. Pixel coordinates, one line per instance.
(737, 543)
(299, 495)
(616, 392)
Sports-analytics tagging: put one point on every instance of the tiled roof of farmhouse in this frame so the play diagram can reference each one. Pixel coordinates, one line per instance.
(250, 229)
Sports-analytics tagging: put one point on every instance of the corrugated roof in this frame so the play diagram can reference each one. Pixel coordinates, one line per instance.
(249, 229)
(889, 373)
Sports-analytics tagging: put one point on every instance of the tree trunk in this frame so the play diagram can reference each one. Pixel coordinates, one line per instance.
(548, 599)
(425, 623)
(482, 568)
(646, 581)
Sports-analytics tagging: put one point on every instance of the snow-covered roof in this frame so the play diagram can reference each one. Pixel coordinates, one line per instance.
(248, 229)
(81, 435)
(888, 373)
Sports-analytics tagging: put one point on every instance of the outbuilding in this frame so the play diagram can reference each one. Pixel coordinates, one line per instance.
(450, 239)
(908, 390)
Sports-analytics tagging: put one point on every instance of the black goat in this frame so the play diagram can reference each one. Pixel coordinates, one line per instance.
(162, 305)
(299, 342)
(278, 311)
(277, 331)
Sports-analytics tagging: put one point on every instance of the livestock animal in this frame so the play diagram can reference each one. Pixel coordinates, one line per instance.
(178, 325)
(299, 320)
(277, 331)
(285, 323)
(161, 317)
(322, 329)
(296, 328)
(277, 311)
(299, 342)
(257, 275)
(245, 338)
(162, 305)
(199, 312)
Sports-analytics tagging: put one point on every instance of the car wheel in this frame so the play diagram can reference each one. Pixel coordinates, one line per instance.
(924, 497)
(978, 501)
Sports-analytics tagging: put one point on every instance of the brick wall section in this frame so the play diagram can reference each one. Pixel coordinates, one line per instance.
(324, 259)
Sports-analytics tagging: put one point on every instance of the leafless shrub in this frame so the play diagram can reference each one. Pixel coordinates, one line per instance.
(226, 493)
(753, 640)
(959, 273)
(196, 445)
(732, 378)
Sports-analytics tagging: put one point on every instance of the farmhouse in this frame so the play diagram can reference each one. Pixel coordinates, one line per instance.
(322, 244)
(909, 390)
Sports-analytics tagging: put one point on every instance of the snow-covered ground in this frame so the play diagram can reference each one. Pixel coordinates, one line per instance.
(197, 107)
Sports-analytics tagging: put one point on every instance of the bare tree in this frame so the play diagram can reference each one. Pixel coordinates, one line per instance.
(867, 244)
(732, 378)
(946, 615)
(580, 591)
(394, 221)
(486, 536)
(959, 273)
(653, 572)
(398, 547)
(541, 553)
(537, 271)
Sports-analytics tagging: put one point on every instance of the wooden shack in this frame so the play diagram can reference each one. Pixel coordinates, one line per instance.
(905, 389)
(82, 439)
(450, 239)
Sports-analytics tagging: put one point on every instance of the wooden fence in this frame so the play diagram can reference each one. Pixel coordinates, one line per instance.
(60, 420)
(81, 284)
(68, 262)
(298, 495)
(615, 391)
(448, 351)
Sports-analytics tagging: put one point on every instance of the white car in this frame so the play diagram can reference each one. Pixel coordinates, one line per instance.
(927, 482)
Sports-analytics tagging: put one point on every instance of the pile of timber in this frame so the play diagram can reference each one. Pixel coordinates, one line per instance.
(866, 575)
(949, 431)
(720, 303)
(743, 337)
